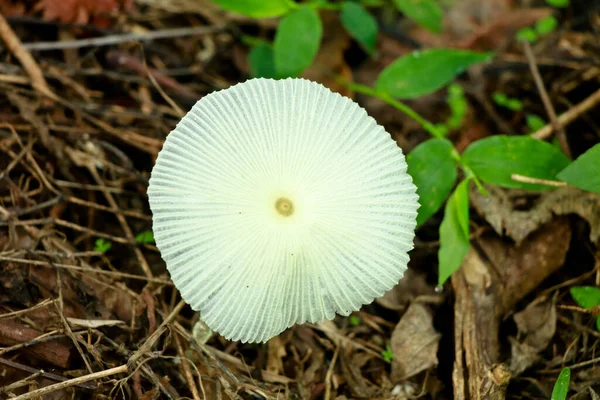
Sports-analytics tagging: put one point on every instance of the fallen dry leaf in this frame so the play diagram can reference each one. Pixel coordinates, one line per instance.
(359, 385)
(536, 325)
(414, 343)
(408, 288)
(81, 11)
(94, 323)
(499, 210)
(10, 8)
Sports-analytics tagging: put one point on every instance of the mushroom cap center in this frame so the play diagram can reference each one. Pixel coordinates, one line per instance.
(284, 206)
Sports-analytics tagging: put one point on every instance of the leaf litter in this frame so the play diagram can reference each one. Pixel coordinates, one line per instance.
(74, 168)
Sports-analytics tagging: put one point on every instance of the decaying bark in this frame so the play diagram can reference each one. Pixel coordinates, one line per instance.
(494, 277)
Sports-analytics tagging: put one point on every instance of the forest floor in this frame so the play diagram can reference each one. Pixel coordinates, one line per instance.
(87, 307)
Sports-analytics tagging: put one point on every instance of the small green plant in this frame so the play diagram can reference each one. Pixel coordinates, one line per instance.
(543, 26)
(534, 122)
(588, 297)
(354, 320)
(145, 237)
(511, 103)
(561, 387)
(546, 25)
(526, 34)
(102, 246)
(388, 354)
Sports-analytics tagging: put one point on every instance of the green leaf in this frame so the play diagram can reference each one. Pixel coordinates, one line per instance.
(495, 159)
(297, 41)
(102, 246)
(427, 13)
(535, 122)
(388, 354)
(423, 72)
(527, 34)
(434, 172)
(546, 25)
(558, 3)
(561, 387)
(262, 61)
(145, 237)
(454, 232)
(354, 320)
(584, 172)
(361, 25)
(256, 8)
(587, 297)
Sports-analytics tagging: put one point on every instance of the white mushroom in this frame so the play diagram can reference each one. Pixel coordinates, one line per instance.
(279, 202)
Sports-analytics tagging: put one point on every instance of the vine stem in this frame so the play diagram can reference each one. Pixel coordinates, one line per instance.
(428, 126)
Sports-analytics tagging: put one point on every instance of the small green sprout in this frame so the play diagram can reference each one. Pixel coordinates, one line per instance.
(507, 102)
(388, 354)
(546, 25)
(145, 237)
(534, 122)
(527, 34)
(102, 246)
(354, 320)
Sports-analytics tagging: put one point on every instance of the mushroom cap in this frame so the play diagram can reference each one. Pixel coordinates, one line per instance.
(279, 202)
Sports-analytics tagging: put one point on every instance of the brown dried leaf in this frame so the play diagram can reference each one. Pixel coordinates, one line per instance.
(81, 11)
(10, 8)
(408, 288)
(94, 323)
(518, 270)
(414, 343)
(498, 210)
(359, 385)
(536, 325)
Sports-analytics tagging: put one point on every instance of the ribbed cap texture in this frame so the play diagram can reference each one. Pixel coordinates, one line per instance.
(277, 203)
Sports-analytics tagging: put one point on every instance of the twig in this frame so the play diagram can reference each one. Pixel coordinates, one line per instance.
(47, 375)
(536, 181)
(73, 226)
(113, 274)
(539, 83)
(187, 371)
(72, 382)
(569, 116)
(69, 333)
(152, 75)
(330, 374)
(40, 339)
(41, 304)
(24, 56)
(122, 221)
(147, 345)
(127, 37)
